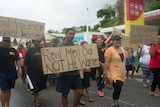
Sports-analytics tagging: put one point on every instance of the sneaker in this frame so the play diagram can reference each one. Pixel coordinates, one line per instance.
(101, 93)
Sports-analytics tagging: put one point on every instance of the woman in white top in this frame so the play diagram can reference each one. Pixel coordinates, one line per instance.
(144, 60)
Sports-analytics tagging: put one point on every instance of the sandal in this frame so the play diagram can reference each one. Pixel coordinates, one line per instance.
(145, 85)
(81, 102)
(108, 87)
(37, 104)
(154, 94)
(90, 100)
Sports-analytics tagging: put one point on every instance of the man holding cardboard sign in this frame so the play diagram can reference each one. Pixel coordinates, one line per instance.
(69, 80)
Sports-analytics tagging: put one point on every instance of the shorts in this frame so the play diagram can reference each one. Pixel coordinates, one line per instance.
(130, 67)
(85, 82)
(39, 82)
(65, 83)
(7, 81)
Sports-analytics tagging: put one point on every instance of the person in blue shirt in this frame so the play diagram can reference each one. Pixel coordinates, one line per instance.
(130, 66)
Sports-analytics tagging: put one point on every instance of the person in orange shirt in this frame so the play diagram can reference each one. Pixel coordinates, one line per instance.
(114, 67)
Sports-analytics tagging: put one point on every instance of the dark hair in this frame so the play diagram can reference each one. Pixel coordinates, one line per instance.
(83, 42)
(68, 29)
(115, 37)
(98, 37)
(21, 45)
(28, 42)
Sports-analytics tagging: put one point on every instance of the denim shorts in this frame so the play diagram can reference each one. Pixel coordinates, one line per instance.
(130, 67)
(65, 83)
(7, 81)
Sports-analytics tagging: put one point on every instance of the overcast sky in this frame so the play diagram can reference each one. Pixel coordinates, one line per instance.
(56, 14)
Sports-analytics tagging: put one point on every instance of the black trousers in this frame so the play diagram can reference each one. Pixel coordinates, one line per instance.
(117, 89)
(94, 70)
(156, 79)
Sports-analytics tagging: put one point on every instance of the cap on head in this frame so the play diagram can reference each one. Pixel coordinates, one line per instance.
(116, 37)
(6, 38)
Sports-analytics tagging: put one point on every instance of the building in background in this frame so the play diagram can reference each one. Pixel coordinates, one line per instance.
(150, 18)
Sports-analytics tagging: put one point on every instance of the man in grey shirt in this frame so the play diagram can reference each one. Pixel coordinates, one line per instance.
(69, 80)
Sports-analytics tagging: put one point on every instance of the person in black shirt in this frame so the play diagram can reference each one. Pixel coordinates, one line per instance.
(33, 67)
(8, 73)
(100, 81)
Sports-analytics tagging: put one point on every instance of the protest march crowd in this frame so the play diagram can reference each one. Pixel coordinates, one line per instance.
(115, 62)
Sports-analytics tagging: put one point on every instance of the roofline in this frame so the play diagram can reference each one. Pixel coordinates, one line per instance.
(152, 14)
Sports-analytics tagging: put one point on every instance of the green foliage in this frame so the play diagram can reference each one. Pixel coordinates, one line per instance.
(136, 61)
(107, 22)
(50, 31)
(106, 12)
(119, 20)
(81, 29)
(96, 27)
(155, 5)
(54, 41)
(64, 30)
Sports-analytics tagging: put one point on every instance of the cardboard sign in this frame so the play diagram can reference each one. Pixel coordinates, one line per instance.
(125, 40)
(19, 28)
(69, 58)
(117, 32)
(141, 34)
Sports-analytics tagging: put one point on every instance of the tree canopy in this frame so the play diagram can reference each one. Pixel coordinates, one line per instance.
(155, 5)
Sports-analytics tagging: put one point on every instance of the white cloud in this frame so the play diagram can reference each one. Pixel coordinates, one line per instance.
(56, 14)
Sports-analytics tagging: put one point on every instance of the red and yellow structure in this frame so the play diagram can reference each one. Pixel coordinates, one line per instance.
(134, 14)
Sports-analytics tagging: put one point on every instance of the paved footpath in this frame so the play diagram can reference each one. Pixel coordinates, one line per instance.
(133, 95)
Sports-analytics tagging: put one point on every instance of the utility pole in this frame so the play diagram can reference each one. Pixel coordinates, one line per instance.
(87, 27)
